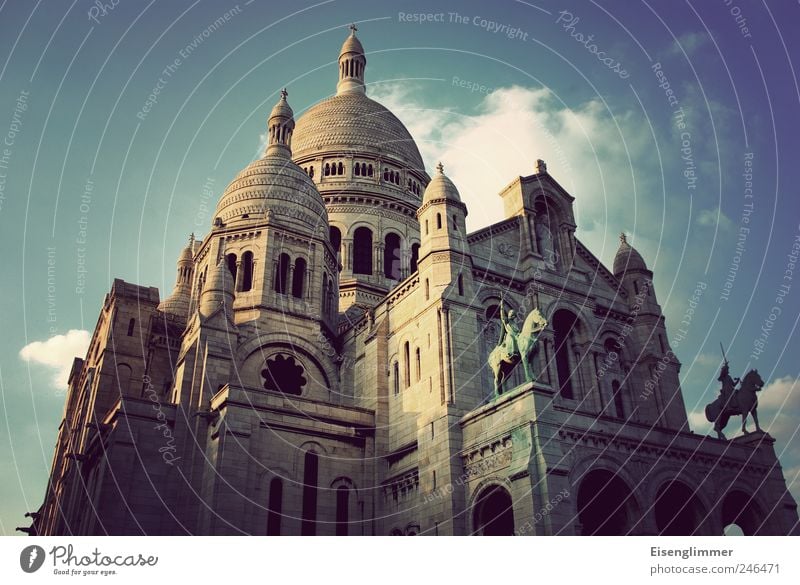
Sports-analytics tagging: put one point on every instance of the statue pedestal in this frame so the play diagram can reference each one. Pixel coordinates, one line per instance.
(754, 439)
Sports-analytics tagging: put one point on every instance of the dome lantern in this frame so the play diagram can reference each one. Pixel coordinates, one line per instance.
(280, 127)
(352, 63)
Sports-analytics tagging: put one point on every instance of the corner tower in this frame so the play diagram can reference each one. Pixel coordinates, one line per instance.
(656, 382)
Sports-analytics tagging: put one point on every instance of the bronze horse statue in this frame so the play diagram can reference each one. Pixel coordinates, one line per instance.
(515, 346)
(743, 401)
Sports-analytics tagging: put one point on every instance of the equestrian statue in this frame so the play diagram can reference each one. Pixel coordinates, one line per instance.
(515, 346)
(735, 402)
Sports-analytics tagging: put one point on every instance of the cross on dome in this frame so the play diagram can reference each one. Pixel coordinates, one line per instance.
(440, 168)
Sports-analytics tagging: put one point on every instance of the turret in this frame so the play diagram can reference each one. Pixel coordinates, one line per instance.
(655, 379)
(636, 278)
(218, 290)
(179, 301)
(442, 219)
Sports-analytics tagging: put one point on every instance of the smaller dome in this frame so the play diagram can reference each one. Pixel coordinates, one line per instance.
(441, 187)
(352, 44)
(627, 258)
(282, 109)
(274, 186)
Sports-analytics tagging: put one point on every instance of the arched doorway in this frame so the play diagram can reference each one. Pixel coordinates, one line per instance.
(605, 504)
(741, 510)
(494, 513)
(678, 510)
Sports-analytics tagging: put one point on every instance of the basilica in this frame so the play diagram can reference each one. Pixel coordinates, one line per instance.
(327, 364)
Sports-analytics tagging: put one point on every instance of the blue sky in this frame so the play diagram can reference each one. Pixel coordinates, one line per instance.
(95, 178)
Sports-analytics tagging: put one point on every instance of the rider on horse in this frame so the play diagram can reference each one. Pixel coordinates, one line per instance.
(728, 386)
(510, 334)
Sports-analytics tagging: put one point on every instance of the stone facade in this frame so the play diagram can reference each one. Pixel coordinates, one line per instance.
(321, 367)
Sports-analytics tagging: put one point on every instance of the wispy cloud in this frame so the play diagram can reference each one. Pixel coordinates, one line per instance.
(689, 43)
(714, 218)
(57, 354)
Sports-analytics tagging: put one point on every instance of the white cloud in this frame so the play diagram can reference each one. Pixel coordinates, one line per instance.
(689, 43)
(714, 218)
(606, 161)
(57, 353)
(699, 424)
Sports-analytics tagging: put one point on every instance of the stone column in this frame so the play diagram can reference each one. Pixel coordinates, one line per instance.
(239, 276)
(347, 254)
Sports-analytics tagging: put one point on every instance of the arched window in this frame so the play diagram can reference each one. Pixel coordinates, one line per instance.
(369, 170)
(455, 223)
(282, 277)
(327, 169)
(311, 172)
(544, 230)
(124, 373)
(274, 507)
(247, 268)
(396, 373)
(636, 287)
(298, 278)
(230, 260)
(310, 477)
(564, 324)
(438, 221)
(342, 509)
(419, 365)
(341, 169)
(427, 289)
(386, 175)
(493, 514)
(336, 238)
(396, 178)
(362, 251)
(357, 170)
(407, 363)
(131, 325)
(391, 257)
(460, 285)
(427, 231)
(414, 257)
(617, 395)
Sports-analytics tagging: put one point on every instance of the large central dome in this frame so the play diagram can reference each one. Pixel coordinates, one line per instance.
(352, 122)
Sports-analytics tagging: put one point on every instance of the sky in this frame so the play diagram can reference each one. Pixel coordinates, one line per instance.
(675, 122)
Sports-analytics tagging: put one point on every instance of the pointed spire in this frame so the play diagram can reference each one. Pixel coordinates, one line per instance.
(352, 63)
(280, 127)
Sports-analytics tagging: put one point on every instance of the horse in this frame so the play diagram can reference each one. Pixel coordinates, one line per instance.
(744, 401)
(526, 342)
